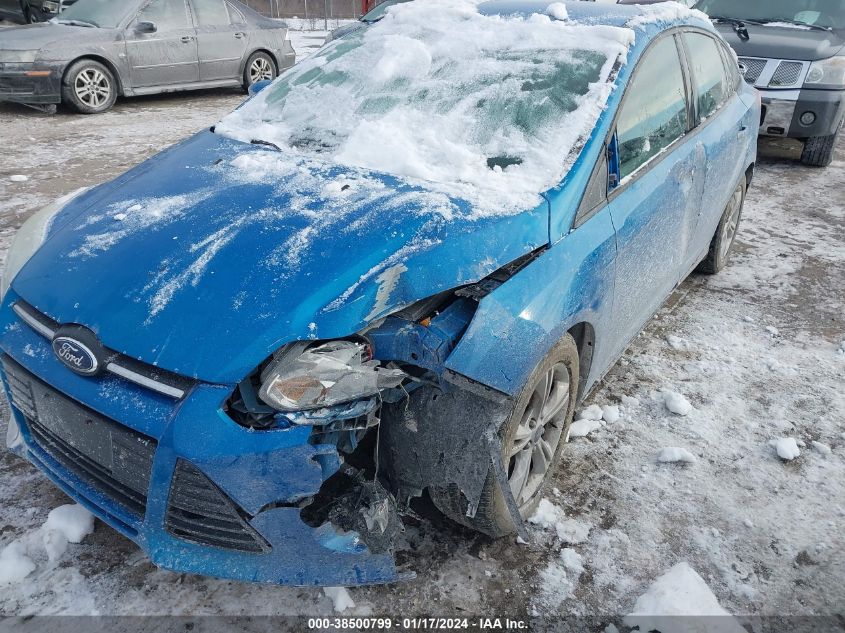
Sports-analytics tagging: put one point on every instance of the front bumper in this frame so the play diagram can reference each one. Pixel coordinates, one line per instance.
(31, 83)
(783, 109)
(135, 458)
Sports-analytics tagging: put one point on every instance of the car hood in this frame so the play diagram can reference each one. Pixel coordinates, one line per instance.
(780, 42)
(206, 258)
(33, 37)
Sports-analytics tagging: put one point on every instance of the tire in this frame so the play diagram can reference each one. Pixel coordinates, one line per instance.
(720, 246)
(259, 67)
(493, 516)
(818, 150)
(89, 87)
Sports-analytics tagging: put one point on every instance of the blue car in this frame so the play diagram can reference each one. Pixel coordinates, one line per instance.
(393, 272)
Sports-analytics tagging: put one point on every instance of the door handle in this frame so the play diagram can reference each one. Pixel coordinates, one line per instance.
(239, 35)
(186, 39)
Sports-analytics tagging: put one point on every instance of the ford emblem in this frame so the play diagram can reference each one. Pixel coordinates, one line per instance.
(75, 355)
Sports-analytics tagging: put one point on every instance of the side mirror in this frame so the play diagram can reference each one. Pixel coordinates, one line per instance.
(146, 27)
(258, 86)
(742, 68)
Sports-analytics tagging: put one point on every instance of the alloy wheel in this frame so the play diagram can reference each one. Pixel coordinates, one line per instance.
(538, 435)
(92, 87)
(260, 70)
(731, 223)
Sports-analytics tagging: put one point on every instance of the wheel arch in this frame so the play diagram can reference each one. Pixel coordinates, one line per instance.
(749, 174)
(102, 60)
(584, 335)
(260, 49)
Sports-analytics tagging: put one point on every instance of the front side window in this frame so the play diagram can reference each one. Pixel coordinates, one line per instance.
(211, 12)
(654, 112)
(102, 13)
(165, 14)
(708, 73)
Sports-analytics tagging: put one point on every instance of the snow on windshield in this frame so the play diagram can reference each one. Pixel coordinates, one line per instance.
(485, 108)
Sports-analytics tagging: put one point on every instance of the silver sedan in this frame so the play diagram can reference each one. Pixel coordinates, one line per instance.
(98, 50)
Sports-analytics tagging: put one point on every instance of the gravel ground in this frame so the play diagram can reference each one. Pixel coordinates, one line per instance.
(757, 351)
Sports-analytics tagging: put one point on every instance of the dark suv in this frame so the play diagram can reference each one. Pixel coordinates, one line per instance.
(32, 10)
(793, 51)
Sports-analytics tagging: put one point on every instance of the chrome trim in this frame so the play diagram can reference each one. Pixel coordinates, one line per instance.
(139, 379)
(32, 322)
(764, 79)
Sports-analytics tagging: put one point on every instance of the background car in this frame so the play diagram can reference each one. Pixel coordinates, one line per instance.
(793, 51)
(97, 50)
(29, 11)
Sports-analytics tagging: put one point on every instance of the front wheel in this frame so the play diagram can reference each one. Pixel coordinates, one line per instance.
(818, 150)
(89, 87)
(259, 67)
(723, 239)
(532, 438)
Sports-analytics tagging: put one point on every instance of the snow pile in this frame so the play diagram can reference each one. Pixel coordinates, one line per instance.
(550, 517)
(676, 403)
(666, 12)
(559, 579)
(821, 447)
(485, 108)
(341, 600)
(786, 448)
(557, 11)
(593, 412)
(671, 454)
(672, 598)
(610, 413)
(65, 524)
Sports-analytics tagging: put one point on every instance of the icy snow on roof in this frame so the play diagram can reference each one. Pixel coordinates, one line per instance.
(488, 108)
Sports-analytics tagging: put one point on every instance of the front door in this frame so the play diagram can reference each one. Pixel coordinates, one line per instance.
(168, 55)
(659, 175)
(222, 41)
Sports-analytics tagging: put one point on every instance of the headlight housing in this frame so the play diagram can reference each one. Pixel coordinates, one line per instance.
(305, 375)
(30, 237)
(827, 73)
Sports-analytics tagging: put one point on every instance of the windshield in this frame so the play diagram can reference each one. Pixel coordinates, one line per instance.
(377, 13)
(437, 92)
(102, 13)
(821, 13)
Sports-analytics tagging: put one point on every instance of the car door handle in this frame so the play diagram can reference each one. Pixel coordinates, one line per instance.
(187, 38)
(240, 35)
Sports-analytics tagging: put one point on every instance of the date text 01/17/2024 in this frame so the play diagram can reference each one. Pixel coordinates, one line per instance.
(417, 623)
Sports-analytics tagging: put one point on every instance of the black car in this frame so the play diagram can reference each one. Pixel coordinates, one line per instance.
(793, 51)
(30, 11)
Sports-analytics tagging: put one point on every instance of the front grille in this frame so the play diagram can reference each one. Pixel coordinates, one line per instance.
(199, 512)
(753, 68)
(787, 74)
(109, 457)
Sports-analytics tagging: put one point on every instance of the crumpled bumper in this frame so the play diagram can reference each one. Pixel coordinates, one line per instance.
(197, 492)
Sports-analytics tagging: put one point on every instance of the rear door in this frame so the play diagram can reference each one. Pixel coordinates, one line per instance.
(167, 56)
(655, 185)
(222, 40)
(724, 129)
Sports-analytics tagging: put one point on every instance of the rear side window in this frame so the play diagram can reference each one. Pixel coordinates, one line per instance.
(654, 113)
(211, 12)
(235, 16)
(708, 73)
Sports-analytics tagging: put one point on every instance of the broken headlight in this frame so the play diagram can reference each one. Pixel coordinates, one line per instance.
(303, 376)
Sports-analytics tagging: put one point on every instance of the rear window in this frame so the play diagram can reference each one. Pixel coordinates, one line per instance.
(482, 107)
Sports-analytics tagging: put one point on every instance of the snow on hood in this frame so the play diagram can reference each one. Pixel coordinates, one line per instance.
(486, 108)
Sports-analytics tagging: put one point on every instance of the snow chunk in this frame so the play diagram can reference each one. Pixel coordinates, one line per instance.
(582, 428)
(557, 11)
(676, 342)
(676, 403)
(73, 521)
(672, 598)
(572, 560)
(610, 413)
(821, 447)
(786, 447)
(340, 598)
(15, 565)
(772, 330)
(665, 12)
(593, 412)
(671, 454)
(630, 402)
(440, 95)
(18, 178)
(550, 517)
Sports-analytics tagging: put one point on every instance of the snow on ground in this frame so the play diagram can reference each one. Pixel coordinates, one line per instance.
(764, 534)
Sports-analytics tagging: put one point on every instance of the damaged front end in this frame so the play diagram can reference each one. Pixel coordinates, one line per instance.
(386, 418)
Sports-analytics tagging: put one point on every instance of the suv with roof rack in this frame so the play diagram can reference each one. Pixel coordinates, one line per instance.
(794, 53)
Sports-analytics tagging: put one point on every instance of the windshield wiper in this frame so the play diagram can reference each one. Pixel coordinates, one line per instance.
(800, 23)
(258, 141)
(739, 25)
(75, 23)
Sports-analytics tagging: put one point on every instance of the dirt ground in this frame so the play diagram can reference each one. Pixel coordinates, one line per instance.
(756, 350)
